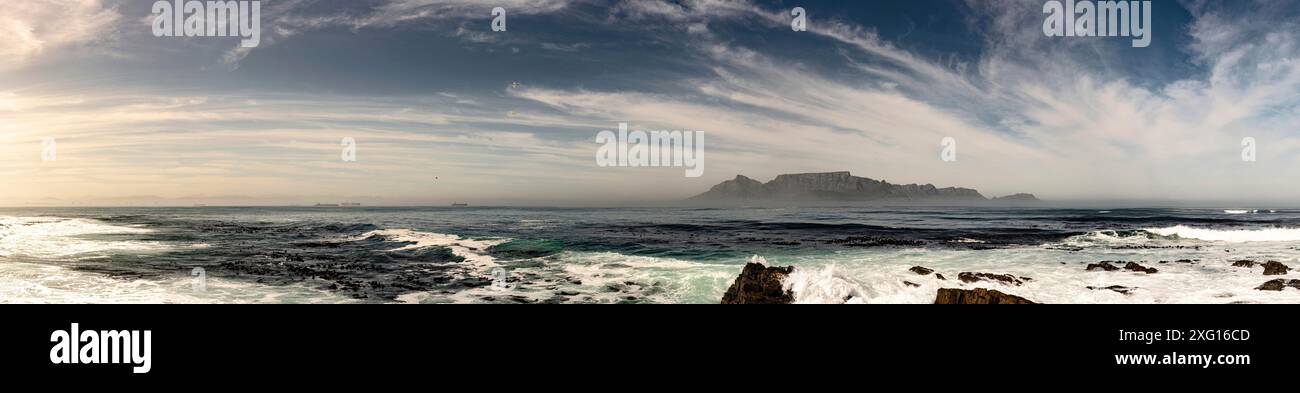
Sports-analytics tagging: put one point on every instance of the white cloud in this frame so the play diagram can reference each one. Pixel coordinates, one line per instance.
(32, 29)
(1030, 114)
(1035, 114)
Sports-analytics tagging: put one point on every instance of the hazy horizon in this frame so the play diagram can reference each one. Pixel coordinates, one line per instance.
(444, 109)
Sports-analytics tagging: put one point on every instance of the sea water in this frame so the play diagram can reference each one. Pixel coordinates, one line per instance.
(632, 255)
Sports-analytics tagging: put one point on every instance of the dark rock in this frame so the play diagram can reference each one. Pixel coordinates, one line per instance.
(1278, 284)
(1133, 266)
(1272, 285)
(1274, 268)
(873, 241)
(939, 276)
(968, 277)
(758, 284)
(977, 296)
(1271, 268)
(921, 270)
(911, 284)
(1116, 288)
(1104, 265)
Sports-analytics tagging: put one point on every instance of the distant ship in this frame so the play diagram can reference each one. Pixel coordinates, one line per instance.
(327, 205)
(351, 204)
(458, 204)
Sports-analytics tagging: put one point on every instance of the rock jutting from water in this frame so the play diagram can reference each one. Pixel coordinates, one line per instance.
(759, 284)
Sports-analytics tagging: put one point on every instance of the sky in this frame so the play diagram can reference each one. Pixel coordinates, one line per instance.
(444, 109)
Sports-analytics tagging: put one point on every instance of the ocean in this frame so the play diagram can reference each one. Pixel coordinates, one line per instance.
(632, 255)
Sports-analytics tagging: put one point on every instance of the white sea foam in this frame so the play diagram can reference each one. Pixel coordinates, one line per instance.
(653, 279)
(473, 250)
(39, 283)
(51, 238)
(879, 276)
(57, 240)
(1132, 237)
(1240, 211)
(828, 285)
(602, 277)
(1231, 235)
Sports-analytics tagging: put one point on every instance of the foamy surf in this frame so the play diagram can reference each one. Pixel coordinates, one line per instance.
(1121, 237)
(53, 238)
(883, 277)
(828, 285)
(1230, 235)
(574, 261)
(474, 251)
(28, 283)
(597, 278)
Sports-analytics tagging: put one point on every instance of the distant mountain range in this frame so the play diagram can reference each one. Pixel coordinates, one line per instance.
(844, 187)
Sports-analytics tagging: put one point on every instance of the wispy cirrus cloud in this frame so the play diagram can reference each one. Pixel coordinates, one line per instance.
(1061, 118)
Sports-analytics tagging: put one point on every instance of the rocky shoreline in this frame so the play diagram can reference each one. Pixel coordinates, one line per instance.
(762, 284)
(759, 284)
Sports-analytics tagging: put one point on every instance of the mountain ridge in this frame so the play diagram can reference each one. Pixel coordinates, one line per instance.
(842, 187)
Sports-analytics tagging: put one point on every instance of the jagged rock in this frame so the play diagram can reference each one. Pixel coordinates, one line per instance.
(911, 284)
(1116, 288)
(1274, 268)
(1278, 284)
(832, 186)
(758, 284)
(1104, 265)
(1133, 266)
(977, 296)
(968, 277)
(921, 270)
(939, 276)
(1271, 268)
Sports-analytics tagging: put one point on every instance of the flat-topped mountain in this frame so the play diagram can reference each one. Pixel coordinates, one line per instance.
(840, 186)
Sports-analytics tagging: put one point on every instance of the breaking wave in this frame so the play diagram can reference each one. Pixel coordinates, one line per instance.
(474, 251)
(50, 237)
(1279, 234)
